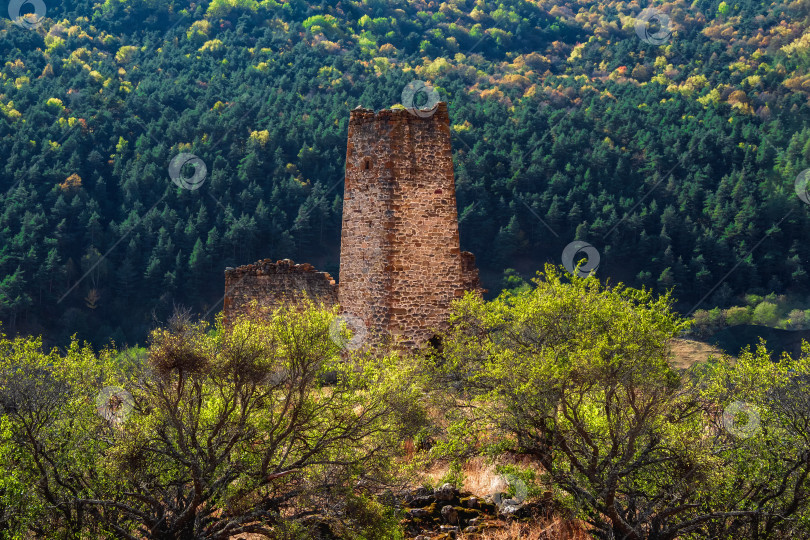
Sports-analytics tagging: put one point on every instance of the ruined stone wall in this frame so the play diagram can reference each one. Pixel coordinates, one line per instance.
(400, 262)
(469, 273)
(271, 283)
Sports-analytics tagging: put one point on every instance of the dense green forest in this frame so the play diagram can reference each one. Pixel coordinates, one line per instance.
(676, 161)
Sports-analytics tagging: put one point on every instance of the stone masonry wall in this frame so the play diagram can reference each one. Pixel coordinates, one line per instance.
(469, 273)
(400, 262)
(271, 283)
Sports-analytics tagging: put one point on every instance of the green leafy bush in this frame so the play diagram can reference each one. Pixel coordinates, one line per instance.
(766, 313)
(738, 315)
(576, 376)
(208, 433)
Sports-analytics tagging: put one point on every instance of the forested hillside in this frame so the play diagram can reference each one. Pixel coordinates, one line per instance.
(675, 160)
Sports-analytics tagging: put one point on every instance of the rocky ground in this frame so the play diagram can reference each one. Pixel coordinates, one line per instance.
(446, 512)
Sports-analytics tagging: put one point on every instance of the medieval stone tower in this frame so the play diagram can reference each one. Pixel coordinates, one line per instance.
(400, 262)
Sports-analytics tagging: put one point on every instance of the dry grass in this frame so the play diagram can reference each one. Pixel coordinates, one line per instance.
(553, 529)
(686, 352)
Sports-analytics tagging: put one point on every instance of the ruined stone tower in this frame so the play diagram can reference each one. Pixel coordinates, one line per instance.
(400, 262)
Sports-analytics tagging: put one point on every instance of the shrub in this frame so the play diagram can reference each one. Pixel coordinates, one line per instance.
(752, 299)
(706, 323)
(737, 315)
(766, 314)
(796, 319)
(227, 432)
(576, 376)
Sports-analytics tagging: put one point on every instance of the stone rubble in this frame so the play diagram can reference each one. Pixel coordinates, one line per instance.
(446, 512)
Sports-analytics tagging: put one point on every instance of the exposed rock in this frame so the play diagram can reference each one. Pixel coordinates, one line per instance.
(421, 502)
(447, 492)
(410, 495)
(465, 515)
(486, 506)
(450, 514)
(470, 502)
(448, 531)
(428, 512)
(418, 513)
(512, 511)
